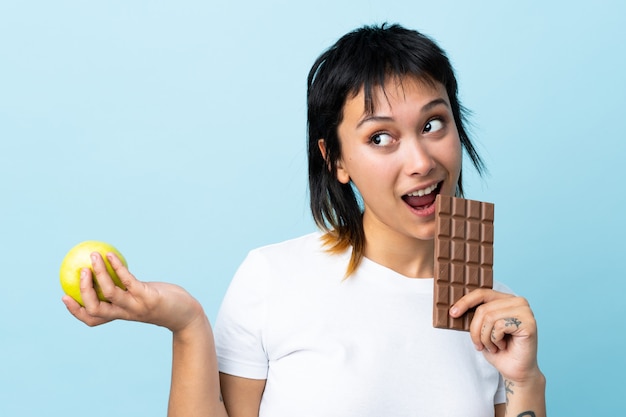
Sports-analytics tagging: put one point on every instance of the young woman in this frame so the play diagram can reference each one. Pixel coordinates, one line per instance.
(339, 322)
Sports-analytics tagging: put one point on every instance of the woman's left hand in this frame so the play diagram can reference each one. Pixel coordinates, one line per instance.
(504, 328)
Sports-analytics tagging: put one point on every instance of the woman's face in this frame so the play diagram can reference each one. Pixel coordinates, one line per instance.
(400, 157)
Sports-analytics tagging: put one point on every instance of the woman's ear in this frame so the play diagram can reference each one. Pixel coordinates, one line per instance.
(321, 144)
(342, 175)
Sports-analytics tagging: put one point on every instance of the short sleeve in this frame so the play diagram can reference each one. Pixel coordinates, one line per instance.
(500, 395)
(241, 319)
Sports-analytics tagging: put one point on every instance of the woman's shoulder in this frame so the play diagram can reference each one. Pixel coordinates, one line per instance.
(302, 256)
(310, 243)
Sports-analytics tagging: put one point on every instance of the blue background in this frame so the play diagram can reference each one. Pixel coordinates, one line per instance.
(176, 131)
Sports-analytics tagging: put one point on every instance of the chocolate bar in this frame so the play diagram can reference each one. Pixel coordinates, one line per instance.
(463, 255)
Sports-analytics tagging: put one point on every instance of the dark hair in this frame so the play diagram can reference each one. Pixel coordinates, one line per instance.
(364, 58)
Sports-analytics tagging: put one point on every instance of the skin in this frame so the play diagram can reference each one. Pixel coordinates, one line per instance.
(408, 143)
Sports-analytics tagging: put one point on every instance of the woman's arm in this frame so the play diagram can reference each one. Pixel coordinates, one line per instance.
(526, 400)
(242, 396)
(195, 389)
(504, 329)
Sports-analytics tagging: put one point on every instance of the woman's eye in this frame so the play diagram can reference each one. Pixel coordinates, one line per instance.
(433, 126)
(381, 139)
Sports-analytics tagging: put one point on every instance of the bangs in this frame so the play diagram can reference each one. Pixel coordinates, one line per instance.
(370, 62)
(371, 88)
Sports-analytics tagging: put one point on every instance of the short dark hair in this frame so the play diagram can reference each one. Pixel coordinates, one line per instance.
(365, 58)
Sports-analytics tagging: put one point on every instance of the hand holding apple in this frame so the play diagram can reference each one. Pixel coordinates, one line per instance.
(79, 257)
(158, 303)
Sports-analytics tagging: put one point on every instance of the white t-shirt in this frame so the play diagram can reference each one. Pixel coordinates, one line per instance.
(362, 346)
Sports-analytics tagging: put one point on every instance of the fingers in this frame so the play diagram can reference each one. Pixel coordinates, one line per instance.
(94, 309)
(496, 316)
(80, 312)
(103, 282)
(500, 329)
(127, 279)
(495, 321)
(87, 287)
(474, 299)
(98, 290)
(492, 324)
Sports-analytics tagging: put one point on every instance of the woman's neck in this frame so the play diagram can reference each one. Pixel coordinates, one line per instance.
(406, 255)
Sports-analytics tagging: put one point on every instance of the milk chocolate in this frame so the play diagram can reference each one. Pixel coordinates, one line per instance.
(463, 255)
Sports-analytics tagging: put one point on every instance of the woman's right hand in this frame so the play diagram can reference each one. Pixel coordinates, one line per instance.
(158, 303)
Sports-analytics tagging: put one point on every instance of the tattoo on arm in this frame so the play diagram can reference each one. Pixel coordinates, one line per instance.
(508, 387)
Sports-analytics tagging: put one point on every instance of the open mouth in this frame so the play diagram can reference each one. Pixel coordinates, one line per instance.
(424, 198)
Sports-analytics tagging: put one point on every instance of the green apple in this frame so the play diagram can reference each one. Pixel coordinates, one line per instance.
(79, 257)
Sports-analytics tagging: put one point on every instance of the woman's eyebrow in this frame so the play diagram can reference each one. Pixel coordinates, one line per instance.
(372, 118)
(436, 102)
(427, 107)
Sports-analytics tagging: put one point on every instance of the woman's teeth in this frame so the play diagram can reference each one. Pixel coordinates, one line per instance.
(425, 191)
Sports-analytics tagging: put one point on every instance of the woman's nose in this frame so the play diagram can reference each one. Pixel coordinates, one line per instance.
(418, 159)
